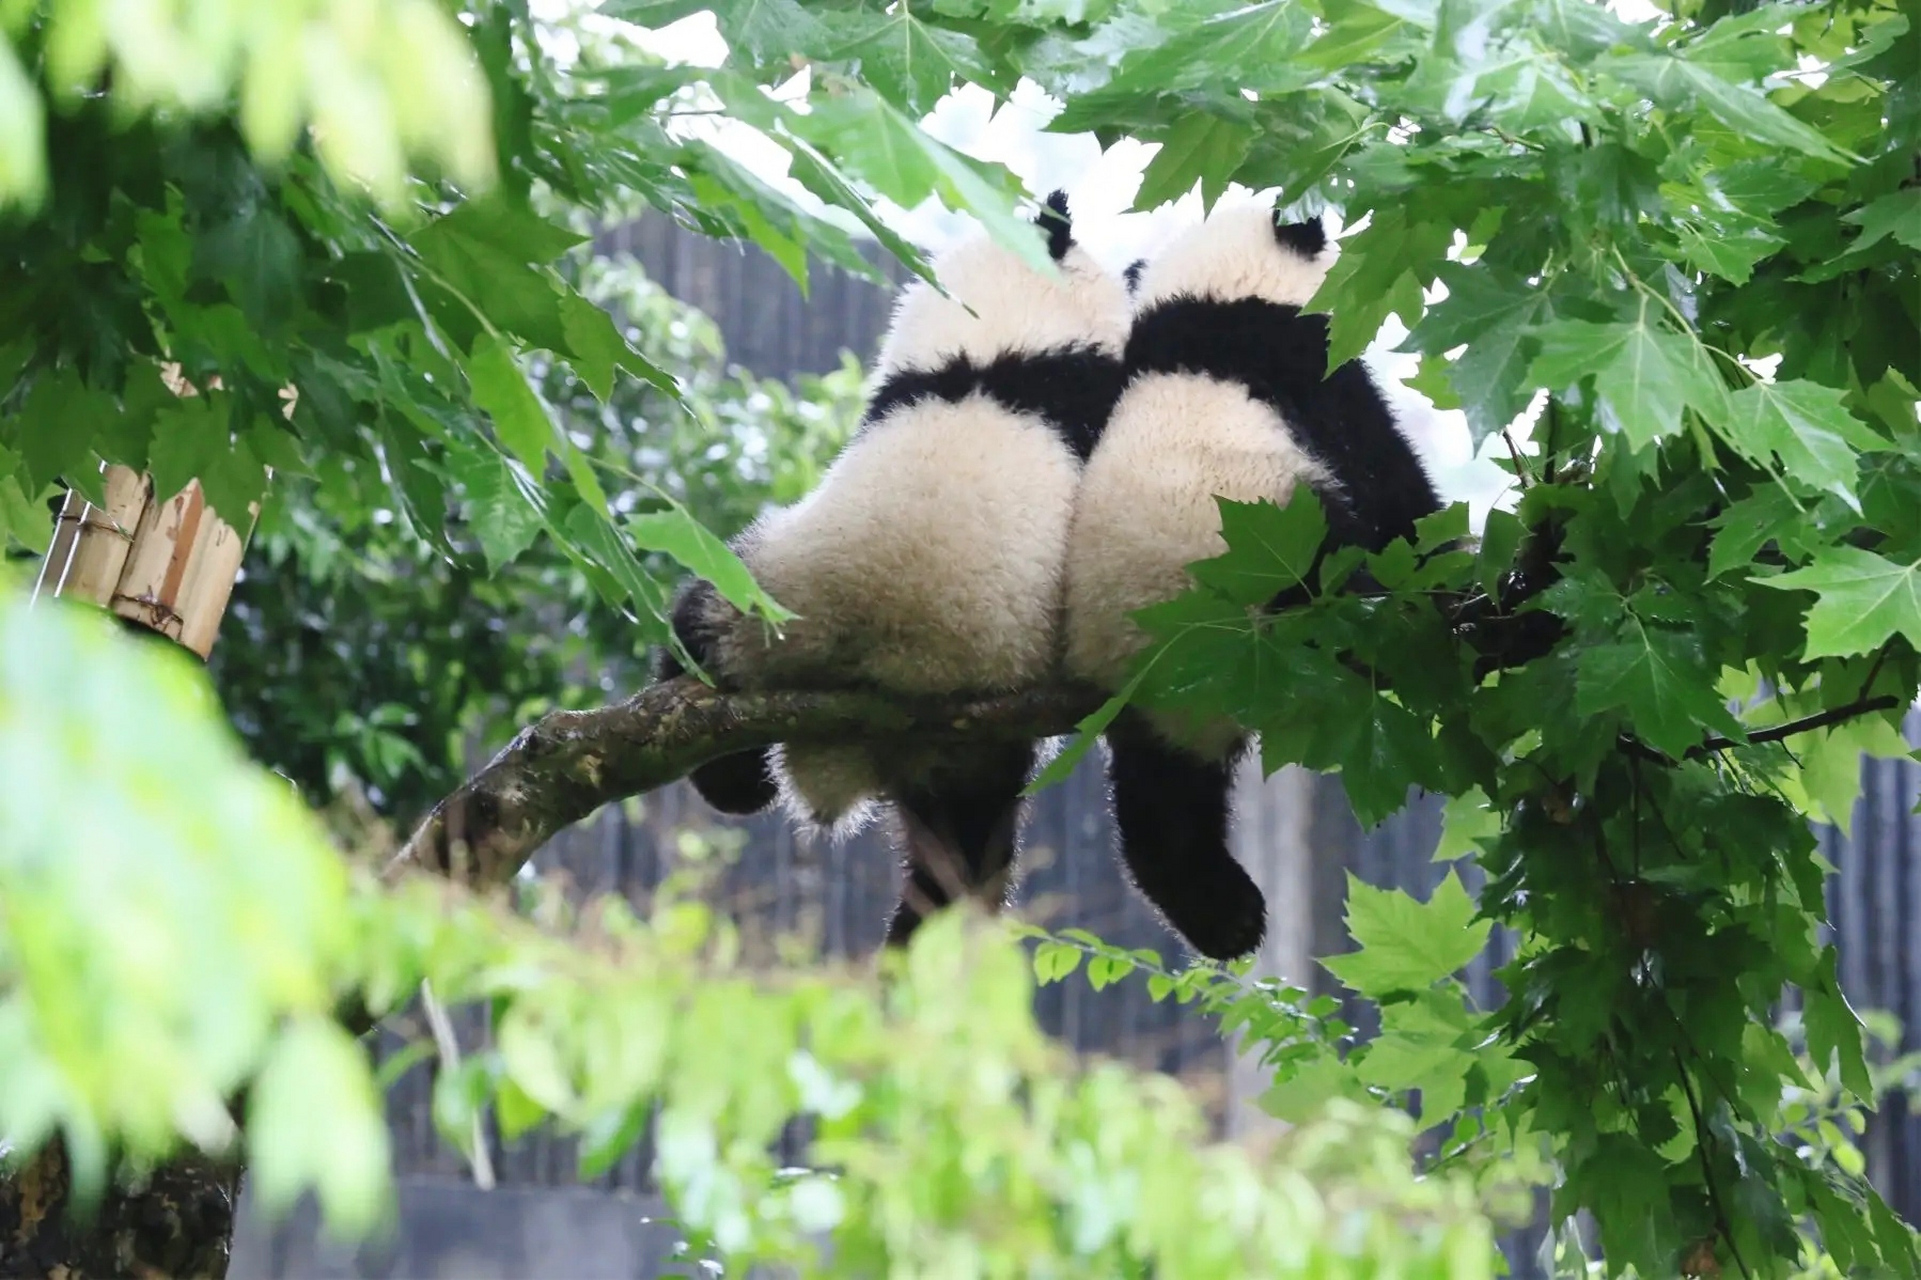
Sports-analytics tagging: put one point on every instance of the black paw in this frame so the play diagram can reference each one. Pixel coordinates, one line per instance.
(1230, 929)
(1221, 913)
(739, 784)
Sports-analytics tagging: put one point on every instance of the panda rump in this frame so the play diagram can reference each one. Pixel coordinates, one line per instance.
(930, 559)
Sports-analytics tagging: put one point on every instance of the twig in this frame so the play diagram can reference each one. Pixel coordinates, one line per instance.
(1521, 474)
(1820, 720)
(1715, 742)
(449, 1047)
(1701, 1135)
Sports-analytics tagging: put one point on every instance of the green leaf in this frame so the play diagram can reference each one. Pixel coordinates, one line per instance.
(594, 346)
(1494, 313)
(498, 511)
(1676, 84)
(1382, 268)
(1897, 215)
(1251, 47)
(766, 31)
(1662, 681)
(1386, 751)
(1750, 524)
(482, 259)
(1305, 1094)
(903, 163)
(910, 62)
(189, 436)
(819, 175)
(256, 255)
(1466, 821)
(500, 388)
(1645, 371)
(1054, 961)
(1090, 728)
(677, 533)
(585, 531)
(1835, 1032)
(1804, 427)
(233, 481)
(1199, 148)
(1863, 600)
(1355, 33)
(1407, 945)
(21, 518)
(1727, 246)
(313, 1119)
(1270, 549)
(57, 425)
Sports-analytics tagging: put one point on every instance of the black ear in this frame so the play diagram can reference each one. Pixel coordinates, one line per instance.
(1058, 225)
(1304, 238)
(1133, 274)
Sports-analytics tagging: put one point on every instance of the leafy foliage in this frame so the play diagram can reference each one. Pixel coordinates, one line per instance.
(160, 936)
(1685, 245)
(357, 657)
(1635, 220)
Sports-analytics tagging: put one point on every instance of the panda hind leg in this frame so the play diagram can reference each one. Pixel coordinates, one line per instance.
(741, 783)
(1171, 807)
(959, 824)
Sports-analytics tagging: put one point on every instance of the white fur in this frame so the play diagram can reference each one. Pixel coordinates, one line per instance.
(1014, 309)
(831, 786)
(1146, 508)
(1232, 255)
(930, 559)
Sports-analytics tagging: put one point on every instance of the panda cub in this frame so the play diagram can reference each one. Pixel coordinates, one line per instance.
(1226, 395)
(930, 559)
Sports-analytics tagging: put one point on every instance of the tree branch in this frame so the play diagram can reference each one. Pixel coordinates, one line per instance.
(1819, 720)
(569, 763)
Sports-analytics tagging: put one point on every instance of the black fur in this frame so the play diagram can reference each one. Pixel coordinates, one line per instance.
(1304, 238)
(741, 783)
(1133, 275)
(959, 815)
(967, 806)
(1279, 354)
(1171, 811)
(1171, 806)
(1057, 223)
(1074, 388)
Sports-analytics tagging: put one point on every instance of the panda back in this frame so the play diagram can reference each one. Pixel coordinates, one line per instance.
(934, 544)
(1146, 508)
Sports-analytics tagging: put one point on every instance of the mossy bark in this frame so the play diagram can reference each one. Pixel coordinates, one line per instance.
(176, 1225)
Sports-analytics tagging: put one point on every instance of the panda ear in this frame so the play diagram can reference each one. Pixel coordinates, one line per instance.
(1304, 238)
(1133, 274)
(1057, 223)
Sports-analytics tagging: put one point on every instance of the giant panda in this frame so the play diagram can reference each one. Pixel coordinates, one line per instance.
(1227, 395)
(929, 561)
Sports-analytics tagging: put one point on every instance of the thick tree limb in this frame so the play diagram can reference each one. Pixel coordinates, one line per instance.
(569, 763)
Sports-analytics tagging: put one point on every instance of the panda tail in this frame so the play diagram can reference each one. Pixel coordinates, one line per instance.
(1171, 809)
(741, 783)
(959, 824)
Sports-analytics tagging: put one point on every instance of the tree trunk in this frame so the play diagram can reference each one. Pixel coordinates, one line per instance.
(178, 1225)
(166, 564)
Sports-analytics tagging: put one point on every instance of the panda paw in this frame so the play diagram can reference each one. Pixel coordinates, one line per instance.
(738, 784)
(1232, 926)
